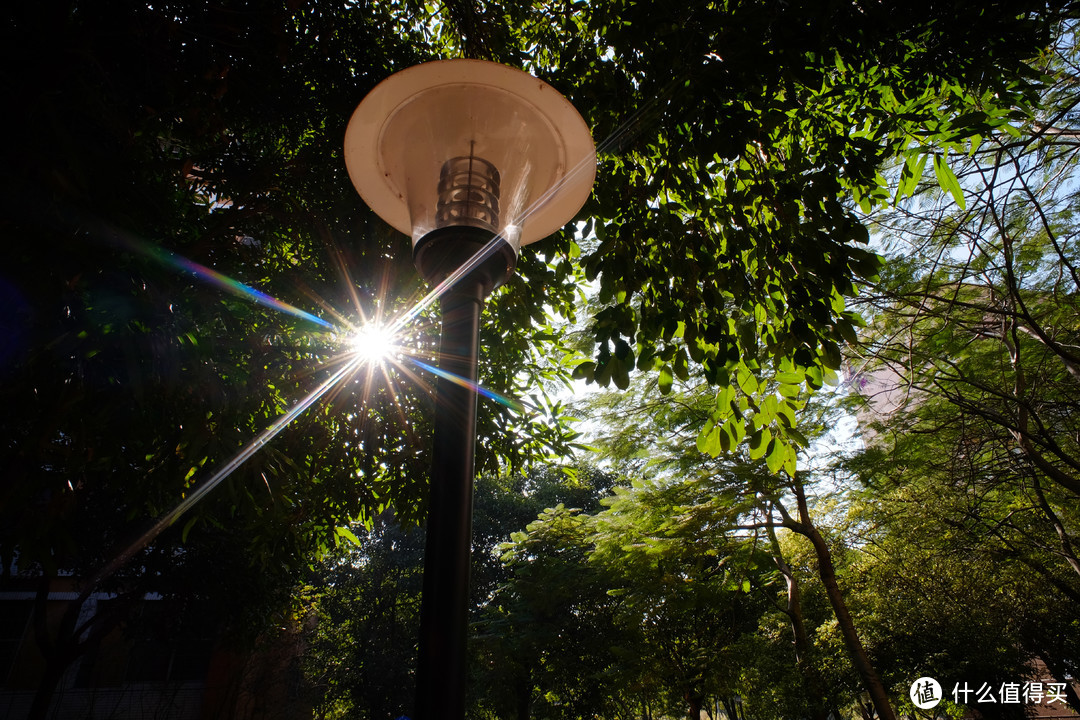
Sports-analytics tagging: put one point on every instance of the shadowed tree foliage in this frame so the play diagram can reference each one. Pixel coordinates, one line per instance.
(734, 140)
(211, 132)
(966, 386)
(363, 603)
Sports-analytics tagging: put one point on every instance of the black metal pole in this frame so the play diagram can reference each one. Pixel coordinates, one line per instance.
(441, 668)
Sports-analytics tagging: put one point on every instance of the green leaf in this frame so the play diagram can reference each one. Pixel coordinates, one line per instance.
(703, 436)
(724, 398)
(747, 381)
(708, 440)
(947, 180)
(348, 534)
(759, 443)
(911, 175)
(790, 378)
(847, 331)
(665, 380)
(602, 376)
(584, 371)
(786, 415)
(789, 391)
(187, 528)
(679, 365)
(737, 430)
(776, 455)
(620, 372)
(726, 437)
(769, 408)
(790, 464)
(797, 436)
(830, 355)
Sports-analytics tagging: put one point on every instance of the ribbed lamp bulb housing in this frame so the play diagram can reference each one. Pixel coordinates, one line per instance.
(467, 153)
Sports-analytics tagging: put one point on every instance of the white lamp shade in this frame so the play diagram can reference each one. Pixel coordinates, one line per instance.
(412, 123)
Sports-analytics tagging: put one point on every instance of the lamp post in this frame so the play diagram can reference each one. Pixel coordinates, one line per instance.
(473, 160)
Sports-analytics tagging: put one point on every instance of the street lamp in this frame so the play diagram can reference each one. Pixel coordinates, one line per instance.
(472, 159)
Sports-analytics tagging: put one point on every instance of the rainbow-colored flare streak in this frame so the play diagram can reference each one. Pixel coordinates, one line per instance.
(222, 281)
(514, 405)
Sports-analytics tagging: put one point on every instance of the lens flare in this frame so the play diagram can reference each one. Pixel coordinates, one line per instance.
(511, 403)
(215, 278)
(373, 343)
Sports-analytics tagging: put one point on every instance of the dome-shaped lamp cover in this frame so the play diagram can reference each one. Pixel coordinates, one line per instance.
(504, 150)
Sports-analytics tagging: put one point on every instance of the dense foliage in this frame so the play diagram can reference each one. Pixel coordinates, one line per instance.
(740, 144)
(967, 384)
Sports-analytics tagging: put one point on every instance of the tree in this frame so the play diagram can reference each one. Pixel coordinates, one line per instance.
(967, 377)
(547, 635)
(740, 241)
(520, 602)
(974, 332)
(938, 600)
(363, 620)
(154, 135)
(362, 603)
(685, 590)
(745, 491)
(213, 133)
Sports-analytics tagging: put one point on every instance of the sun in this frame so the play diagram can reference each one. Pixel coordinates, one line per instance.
(373, 342)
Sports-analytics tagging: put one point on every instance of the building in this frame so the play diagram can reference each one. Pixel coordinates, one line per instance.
(146, 657)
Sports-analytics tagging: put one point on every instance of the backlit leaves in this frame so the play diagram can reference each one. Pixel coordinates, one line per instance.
(724, 224)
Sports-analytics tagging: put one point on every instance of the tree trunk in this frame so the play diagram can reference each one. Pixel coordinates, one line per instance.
(827, 573)
(54, 672)
(1061, 675)
(57, 650)
(798, 628)
(1063, 536)
(524, 696)
(61, 650)
(693, 701)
